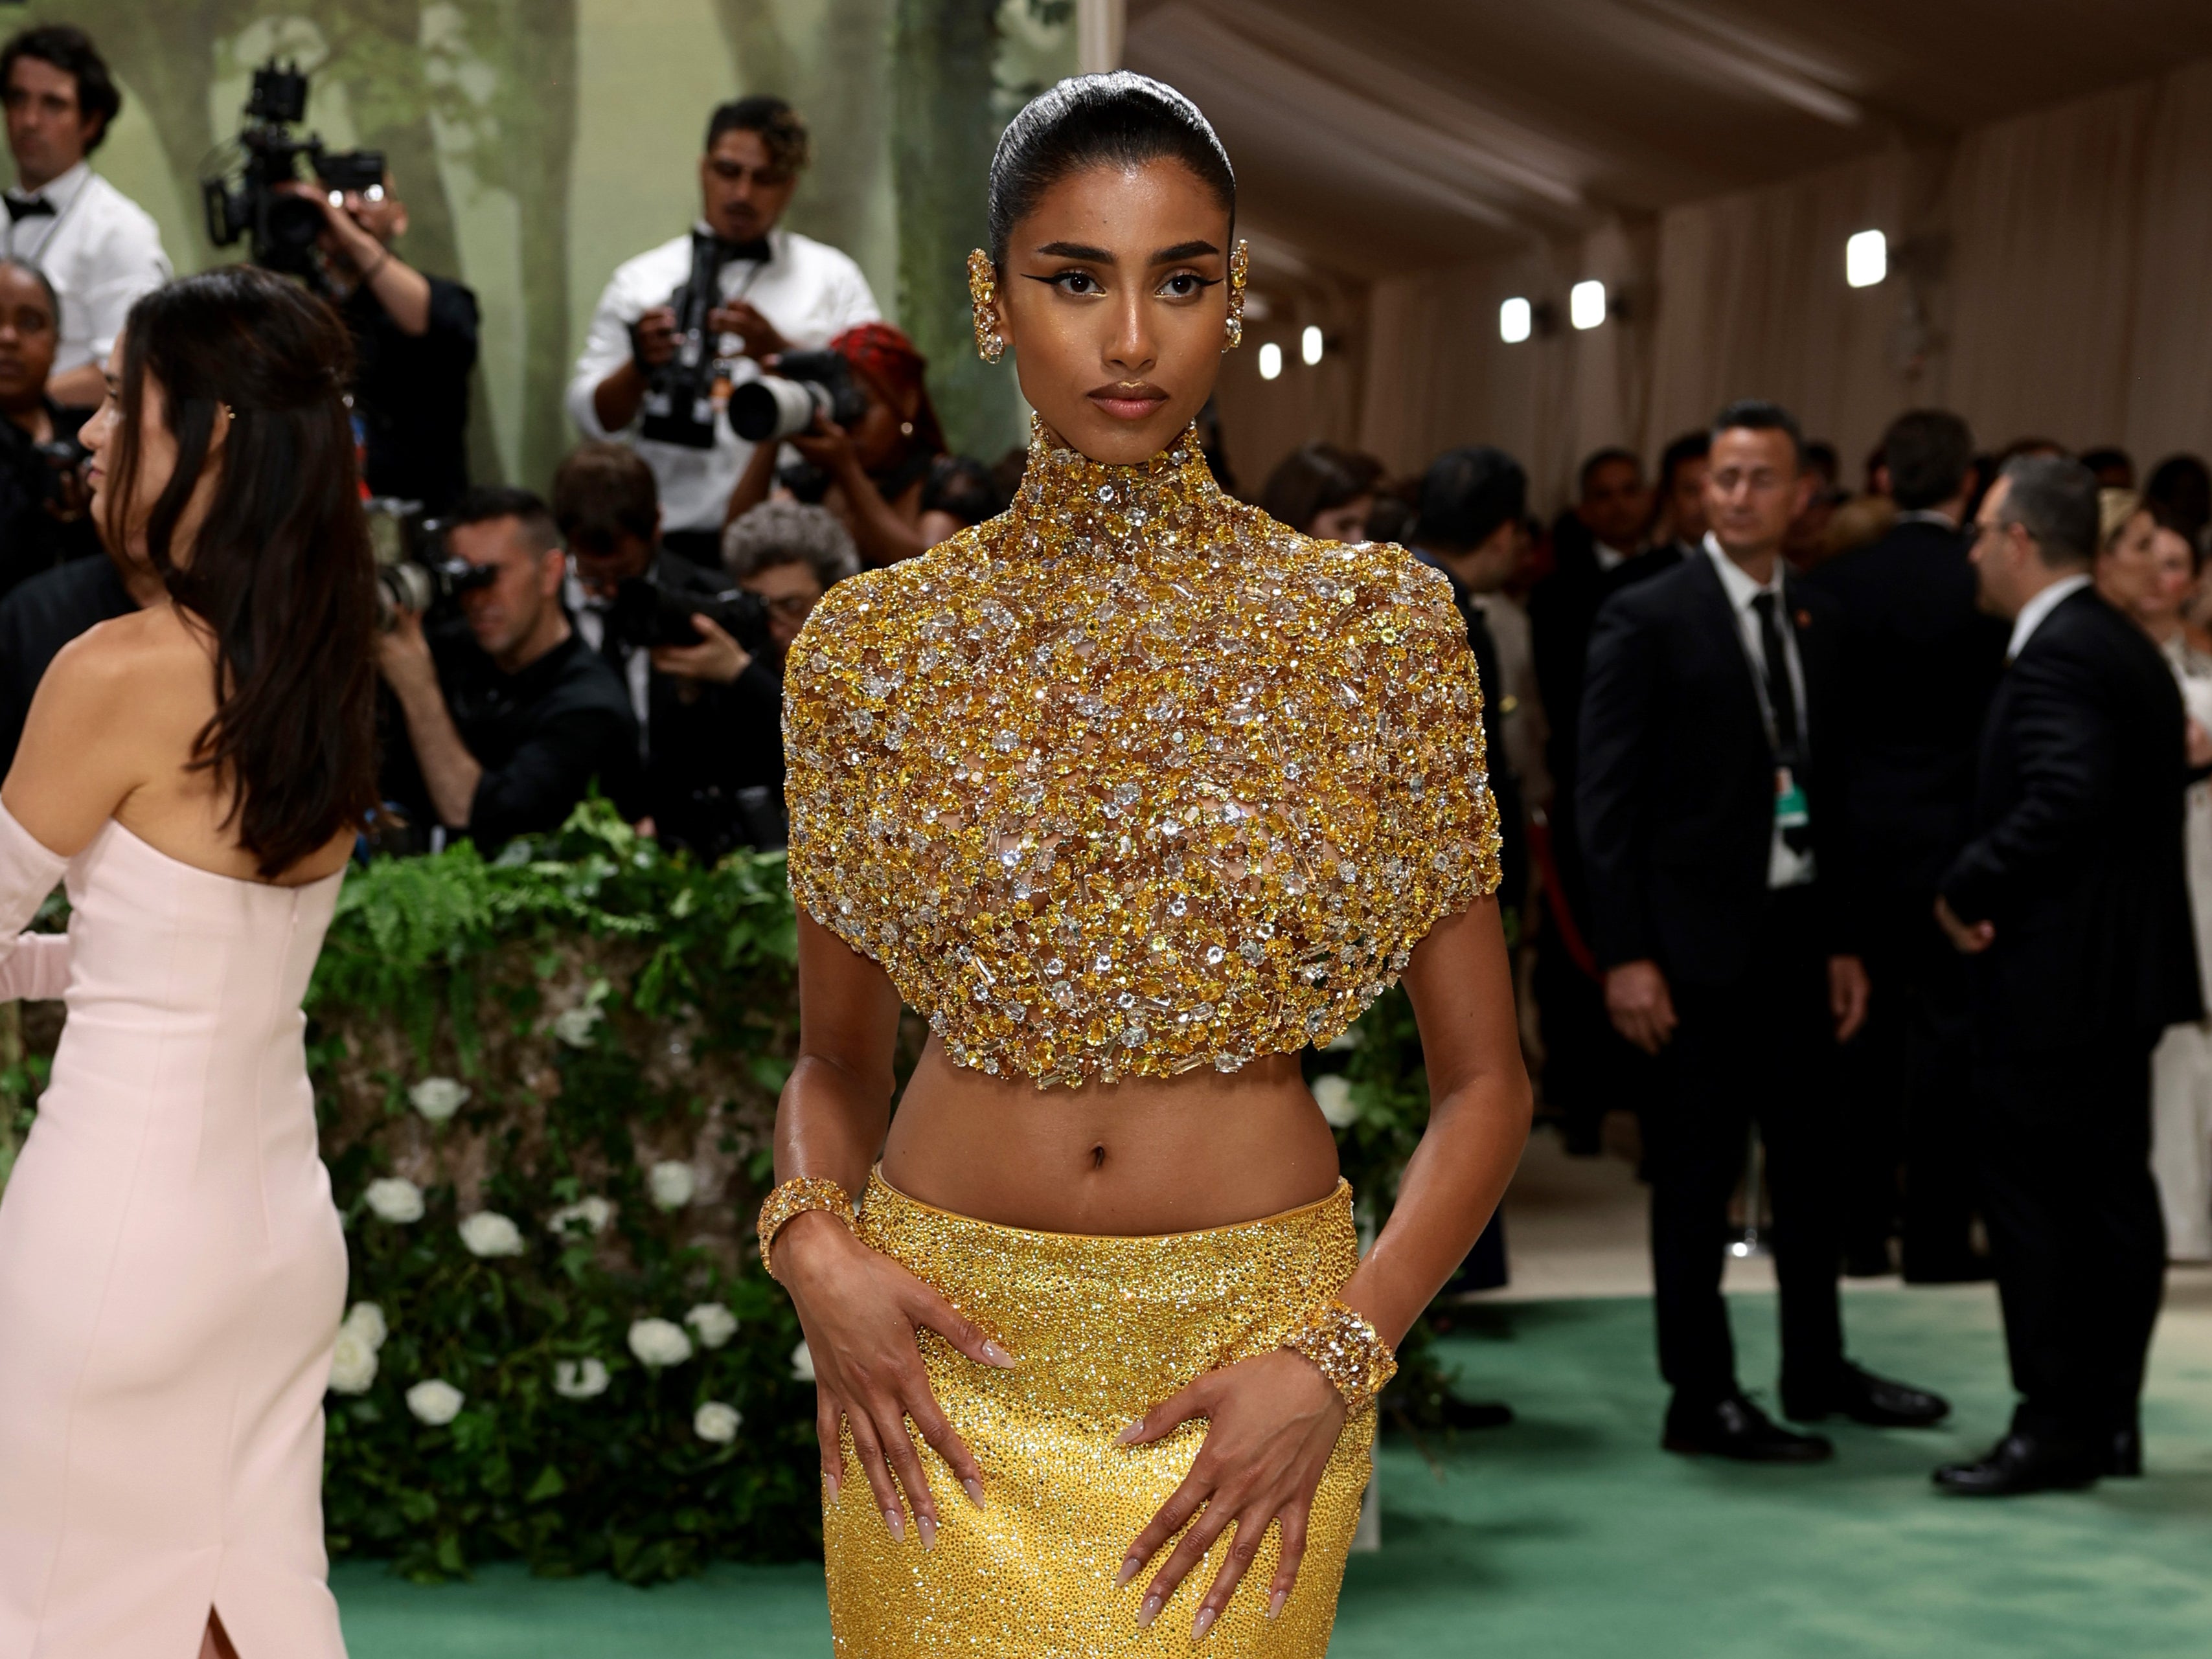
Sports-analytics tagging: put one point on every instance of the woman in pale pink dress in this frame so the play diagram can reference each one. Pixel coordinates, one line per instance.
(172, 1271)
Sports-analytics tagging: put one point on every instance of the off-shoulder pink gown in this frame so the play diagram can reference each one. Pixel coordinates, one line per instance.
(171, 1269)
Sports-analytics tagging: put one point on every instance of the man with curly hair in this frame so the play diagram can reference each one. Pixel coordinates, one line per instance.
(777, 290)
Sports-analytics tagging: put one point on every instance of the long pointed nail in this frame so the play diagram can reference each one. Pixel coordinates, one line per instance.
(1275, 1603)
(1147, 1613)
(1130, 1432)
(975, 1491)
(1202, 1624)
(829, 1480)
(927, 1528)
(998, 1356)
(1130, 1569)
(896, 1522)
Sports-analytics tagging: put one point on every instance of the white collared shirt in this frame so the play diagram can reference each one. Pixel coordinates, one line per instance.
(1786, 867)
(590, 619)
(808, 289)
(1608, 559)
(100, 249)
(1927, 515)
(2033, 613)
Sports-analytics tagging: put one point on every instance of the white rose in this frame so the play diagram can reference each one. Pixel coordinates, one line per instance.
(1332, 1095)
(395, 1198)
(436, 1402)
(366, 1321)
(489, 1234)
(580, 1379)
(438, 1097)
(658, 1343)
(671, 1185)
(575, 1027)
(713, 1323)
(594, 1213)
(717, 1422)
(353, 1362)
(802, 1363)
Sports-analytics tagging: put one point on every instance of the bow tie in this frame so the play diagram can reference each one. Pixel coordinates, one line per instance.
(757, 250)
(20, 209)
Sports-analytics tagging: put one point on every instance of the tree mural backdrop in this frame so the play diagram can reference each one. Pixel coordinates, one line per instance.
(540, 142)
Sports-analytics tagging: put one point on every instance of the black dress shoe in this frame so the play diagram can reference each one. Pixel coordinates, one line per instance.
(1734, 1427)
(2126, 1459)
(1864, 1398)
(2020, 1463)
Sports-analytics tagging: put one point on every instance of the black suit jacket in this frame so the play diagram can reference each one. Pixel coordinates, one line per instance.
(1925, 662)
(2077, 853)
(1676, 795)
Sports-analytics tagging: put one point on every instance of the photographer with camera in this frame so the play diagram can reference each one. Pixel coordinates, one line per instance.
(859, 415)
(680, 324)
(508, 717)
(709, 712)
(99, 248)
(414, 344)
(44, 497)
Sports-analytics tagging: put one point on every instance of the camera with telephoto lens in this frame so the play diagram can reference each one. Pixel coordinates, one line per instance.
(242, 199)
(415, 570)
(646, 615)
(679, 394)
(784, 404)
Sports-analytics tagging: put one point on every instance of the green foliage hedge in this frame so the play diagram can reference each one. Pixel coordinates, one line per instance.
(620, 1022)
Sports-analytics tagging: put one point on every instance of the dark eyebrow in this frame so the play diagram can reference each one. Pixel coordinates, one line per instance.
(1082, 250)
(1183, 250)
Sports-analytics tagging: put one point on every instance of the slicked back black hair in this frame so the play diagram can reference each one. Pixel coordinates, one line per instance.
(1119, 120)
(1757, 414)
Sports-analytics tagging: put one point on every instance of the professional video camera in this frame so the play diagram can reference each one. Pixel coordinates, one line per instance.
(414, 568)
(646, 615)
(240, 196)
(783, 404)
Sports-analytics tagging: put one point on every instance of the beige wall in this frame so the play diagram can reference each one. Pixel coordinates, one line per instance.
(2048, 276)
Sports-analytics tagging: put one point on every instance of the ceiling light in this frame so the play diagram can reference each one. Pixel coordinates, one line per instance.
(1310, 345)
(1271, 360)
(1586, 304)
(1866, 259)
(1517, 320)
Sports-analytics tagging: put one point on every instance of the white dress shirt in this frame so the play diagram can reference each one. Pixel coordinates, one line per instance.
(2033, 613)
(1786, 867)
(100, 249)
(590, 619)
(809, 290)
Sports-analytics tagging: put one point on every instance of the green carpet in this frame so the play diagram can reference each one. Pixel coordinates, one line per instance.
(1569, 1536)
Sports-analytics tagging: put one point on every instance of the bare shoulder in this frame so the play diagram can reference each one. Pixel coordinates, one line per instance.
(143, 654)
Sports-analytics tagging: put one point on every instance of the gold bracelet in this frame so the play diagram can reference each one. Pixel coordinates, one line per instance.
(1355, 1360)
(795, 1197)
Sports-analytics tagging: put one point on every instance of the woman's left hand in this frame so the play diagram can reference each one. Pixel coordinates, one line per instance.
(1272, 1422)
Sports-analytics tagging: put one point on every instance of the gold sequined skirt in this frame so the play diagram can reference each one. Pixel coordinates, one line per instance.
(1103, 1327)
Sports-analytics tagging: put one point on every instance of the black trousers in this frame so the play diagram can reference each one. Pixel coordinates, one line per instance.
(1910, 1091)
(1589, 1068)
(1760, 1049)
(2075, 1225)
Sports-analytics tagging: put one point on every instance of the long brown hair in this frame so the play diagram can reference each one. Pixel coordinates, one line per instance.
(280, 568)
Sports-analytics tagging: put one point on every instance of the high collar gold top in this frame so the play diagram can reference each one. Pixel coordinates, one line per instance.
(1132, 779)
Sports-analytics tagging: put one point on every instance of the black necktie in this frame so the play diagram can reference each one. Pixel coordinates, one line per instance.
(1781, 695)
(36, 207)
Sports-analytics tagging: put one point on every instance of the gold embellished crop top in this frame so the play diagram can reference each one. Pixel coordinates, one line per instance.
(1132, 779)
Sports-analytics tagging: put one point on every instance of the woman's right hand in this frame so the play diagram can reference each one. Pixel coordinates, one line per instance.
(860, 1309)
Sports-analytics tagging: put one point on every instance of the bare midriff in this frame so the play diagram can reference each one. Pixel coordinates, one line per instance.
(1141, 1156)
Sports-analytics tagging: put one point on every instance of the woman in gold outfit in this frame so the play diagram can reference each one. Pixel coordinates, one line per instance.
(1135, 793)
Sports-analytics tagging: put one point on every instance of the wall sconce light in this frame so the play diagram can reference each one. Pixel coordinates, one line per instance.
(1586, 304)
(1310, 345)
(1517, 320)
(1271, 360)
(1866, 259)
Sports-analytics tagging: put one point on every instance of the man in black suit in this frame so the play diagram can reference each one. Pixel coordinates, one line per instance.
(1588, 1069)
(1713, 816)
(1924, 660)
(2072, 904)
